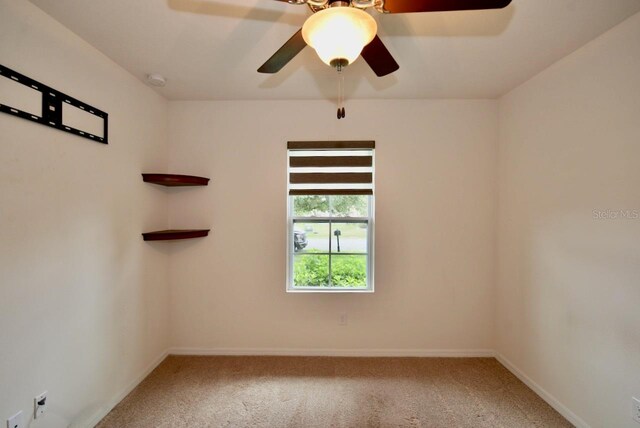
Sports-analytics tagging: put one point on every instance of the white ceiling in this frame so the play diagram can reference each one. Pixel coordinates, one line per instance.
(211, 49)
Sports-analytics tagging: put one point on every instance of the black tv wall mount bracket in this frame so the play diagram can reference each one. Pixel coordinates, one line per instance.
(52, 107)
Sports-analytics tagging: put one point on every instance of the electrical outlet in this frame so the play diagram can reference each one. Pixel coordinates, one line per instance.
(636, 409)
(15, 421)
(344, 319)
(40, 405)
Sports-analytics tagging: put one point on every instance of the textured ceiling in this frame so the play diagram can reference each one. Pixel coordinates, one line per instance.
(211, 49)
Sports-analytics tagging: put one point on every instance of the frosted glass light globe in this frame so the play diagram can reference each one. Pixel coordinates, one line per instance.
(339, 33)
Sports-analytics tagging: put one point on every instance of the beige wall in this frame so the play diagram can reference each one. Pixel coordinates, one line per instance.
(435, 187)
(569, 283)
(83, 300)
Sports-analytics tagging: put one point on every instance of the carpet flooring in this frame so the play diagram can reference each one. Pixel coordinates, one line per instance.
(331, 392)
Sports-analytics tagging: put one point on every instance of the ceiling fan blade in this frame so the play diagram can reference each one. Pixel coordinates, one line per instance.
(379, 58)
(408, 6)
(286, 53)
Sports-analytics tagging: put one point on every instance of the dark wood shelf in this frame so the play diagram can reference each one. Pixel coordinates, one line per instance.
(175, 180)
(169, 235)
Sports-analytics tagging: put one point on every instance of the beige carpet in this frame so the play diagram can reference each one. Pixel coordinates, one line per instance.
(331, 392)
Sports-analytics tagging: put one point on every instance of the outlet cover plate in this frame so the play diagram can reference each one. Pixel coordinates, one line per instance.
(39, 409)
(636, 409)
(15, 421)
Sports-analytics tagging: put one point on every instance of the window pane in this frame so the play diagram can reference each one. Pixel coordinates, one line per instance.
(349, 271)
(350, 206)
(310, 237)
(349, 238)
(310, 206)
(310, 270)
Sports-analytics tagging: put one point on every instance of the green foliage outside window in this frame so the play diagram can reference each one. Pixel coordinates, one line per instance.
(346, 271)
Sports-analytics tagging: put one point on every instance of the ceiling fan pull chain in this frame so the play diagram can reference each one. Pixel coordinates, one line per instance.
(340, 100)
(342, 93)
(341, 112)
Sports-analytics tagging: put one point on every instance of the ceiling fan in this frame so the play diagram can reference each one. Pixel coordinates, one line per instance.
(341, 30)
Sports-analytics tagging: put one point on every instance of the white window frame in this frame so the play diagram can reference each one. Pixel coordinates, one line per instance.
(370, 220)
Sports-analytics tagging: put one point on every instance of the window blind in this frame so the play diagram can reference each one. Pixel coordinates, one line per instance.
(331, 167)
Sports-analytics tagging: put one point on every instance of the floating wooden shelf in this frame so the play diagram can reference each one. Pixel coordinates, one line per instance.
(175, 180)
(169, 235)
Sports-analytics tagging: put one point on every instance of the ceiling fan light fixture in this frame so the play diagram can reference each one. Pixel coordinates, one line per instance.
(339, 33)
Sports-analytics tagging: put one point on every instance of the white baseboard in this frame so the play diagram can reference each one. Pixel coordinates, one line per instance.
(546, 396)
(100, 414)
(321, 352)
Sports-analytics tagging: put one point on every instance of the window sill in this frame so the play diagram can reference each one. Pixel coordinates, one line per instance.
(330, 291)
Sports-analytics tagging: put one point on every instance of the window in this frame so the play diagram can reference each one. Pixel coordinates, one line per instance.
(330, 216)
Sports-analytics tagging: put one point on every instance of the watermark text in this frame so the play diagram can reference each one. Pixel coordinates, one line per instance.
(616, 214)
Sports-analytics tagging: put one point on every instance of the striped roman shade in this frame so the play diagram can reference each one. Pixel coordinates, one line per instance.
(331, 167)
